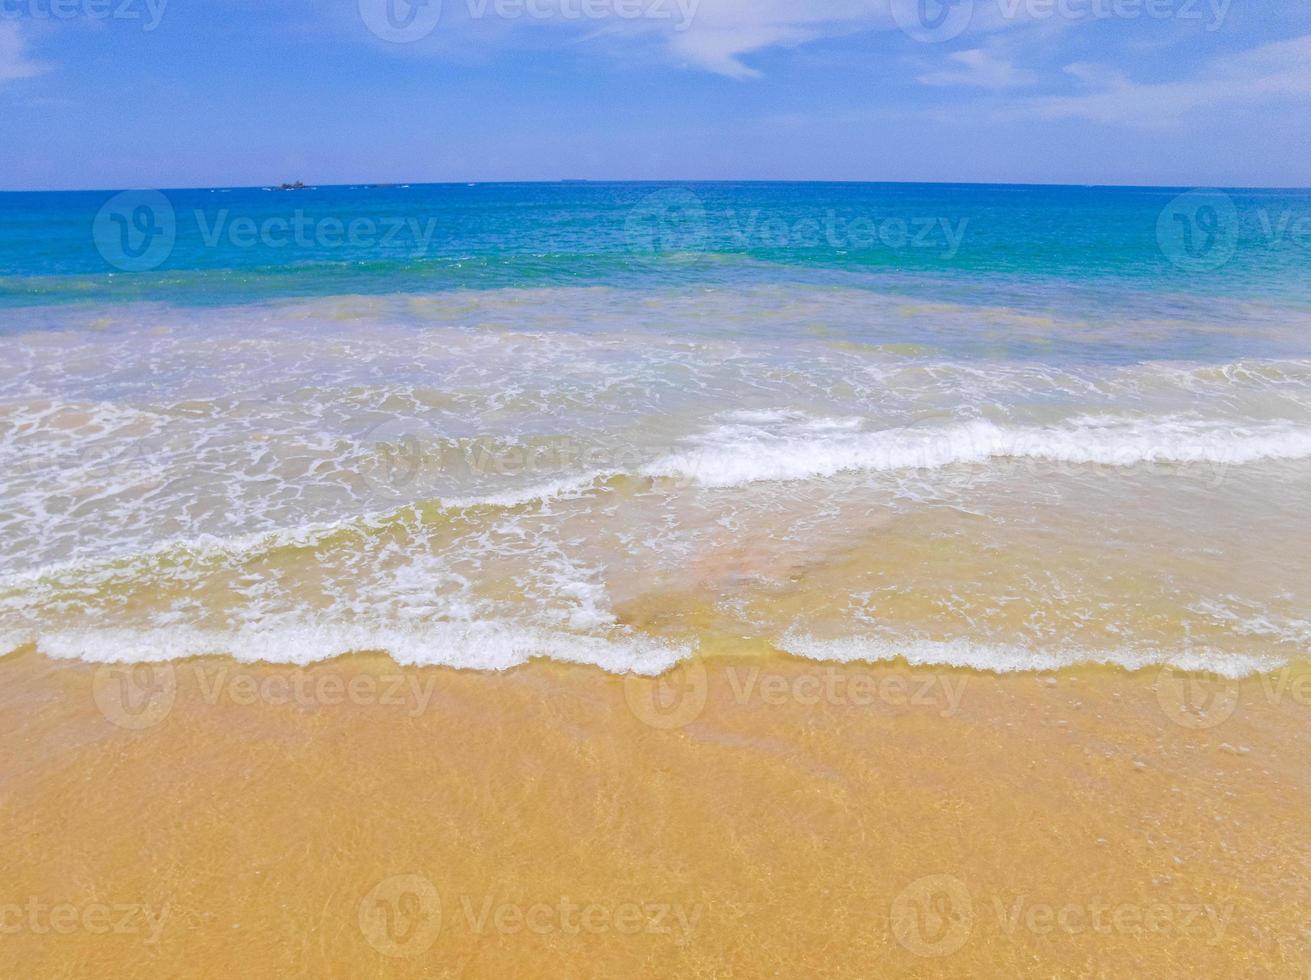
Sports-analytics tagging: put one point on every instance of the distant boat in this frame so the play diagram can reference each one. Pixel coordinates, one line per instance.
(298, 186)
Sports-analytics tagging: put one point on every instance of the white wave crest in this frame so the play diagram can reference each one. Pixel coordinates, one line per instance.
(737, 453)
(482, 645)
(1006, 659)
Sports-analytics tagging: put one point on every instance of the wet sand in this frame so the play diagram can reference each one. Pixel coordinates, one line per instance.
(749, 815)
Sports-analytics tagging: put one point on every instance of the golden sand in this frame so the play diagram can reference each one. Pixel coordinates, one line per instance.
(748, 816)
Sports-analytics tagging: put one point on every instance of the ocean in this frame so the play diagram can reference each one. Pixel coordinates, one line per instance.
(1001, 427)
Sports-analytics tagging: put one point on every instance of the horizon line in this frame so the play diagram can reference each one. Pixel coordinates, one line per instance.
(275, 186)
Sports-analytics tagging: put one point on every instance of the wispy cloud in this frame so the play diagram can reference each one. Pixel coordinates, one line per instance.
(717, 36)
(723, 32)
(980, 68)
(1279, 71)
(14, 62)
(722, 37)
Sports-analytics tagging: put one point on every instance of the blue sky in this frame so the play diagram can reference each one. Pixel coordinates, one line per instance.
(172, 93)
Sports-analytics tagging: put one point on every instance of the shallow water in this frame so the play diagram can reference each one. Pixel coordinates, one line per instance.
(494, 477)
(674, 416)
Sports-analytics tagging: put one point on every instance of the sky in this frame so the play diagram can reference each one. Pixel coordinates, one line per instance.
(110, 94)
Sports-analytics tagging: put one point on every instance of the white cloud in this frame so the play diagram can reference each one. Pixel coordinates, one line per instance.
(1273, 72)
(14, 63)
(980, 68)
(720, 50)
(721, 32)
(711, 35)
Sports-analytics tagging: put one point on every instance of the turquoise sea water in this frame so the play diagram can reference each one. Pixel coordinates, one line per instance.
(1076, 251)
(1010, 427)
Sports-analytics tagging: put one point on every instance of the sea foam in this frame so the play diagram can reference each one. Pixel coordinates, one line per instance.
(1006, 659)
(481, 645)
(738, 453)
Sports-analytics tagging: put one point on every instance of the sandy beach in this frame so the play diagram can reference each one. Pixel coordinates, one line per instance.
(750, 814)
